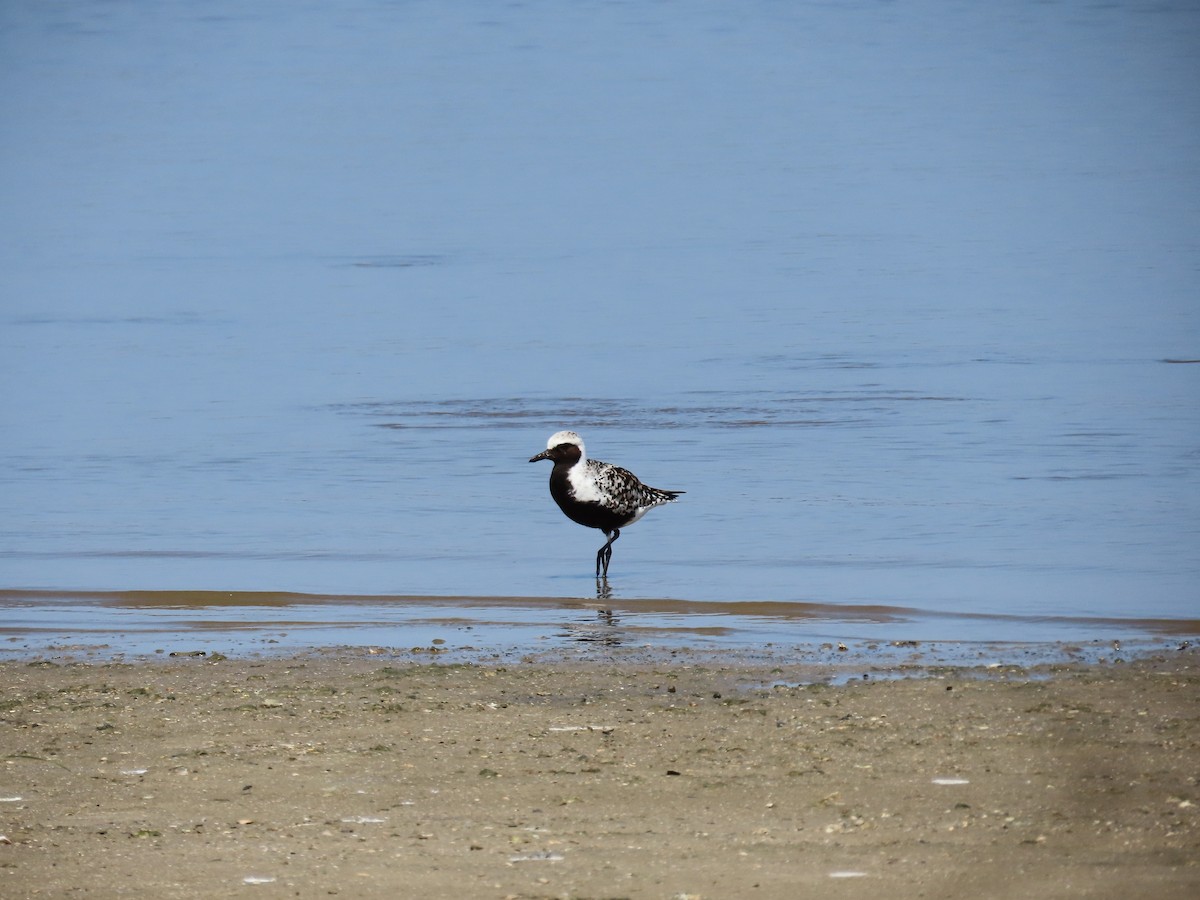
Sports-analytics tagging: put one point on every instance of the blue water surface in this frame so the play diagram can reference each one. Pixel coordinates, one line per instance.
(905, 297)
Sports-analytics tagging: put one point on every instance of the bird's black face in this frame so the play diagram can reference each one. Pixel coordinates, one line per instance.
(562, 453)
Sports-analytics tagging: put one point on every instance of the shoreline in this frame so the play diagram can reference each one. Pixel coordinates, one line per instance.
(608, 775)
(826, 661)
(131, 624)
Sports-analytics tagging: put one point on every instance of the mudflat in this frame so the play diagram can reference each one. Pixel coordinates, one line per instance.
(392, 776)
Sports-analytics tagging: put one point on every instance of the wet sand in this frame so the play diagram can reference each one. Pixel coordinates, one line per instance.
(130, 624)
(403, 775)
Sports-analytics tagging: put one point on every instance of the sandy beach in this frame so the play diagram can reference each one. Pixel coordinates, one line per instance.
(399, 775)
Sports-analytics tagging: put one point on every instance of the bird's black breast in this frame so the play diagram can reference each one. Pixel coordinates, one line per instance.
(590, 514)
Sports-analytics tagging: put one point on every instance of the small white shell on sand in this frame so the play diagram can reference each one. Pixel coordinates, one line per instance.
(951, 781)
(604, 728)
(258, 879)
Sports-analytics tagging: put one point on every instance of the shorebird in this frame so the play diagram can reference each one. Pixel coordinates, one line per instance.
(597, 494)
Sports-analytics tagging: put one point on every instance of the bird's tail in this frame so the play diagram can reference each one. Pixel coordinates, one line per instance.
(658, 495)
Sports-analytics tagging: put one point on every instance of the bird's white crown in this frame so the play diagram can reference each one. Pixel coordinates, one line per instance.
(564, 437)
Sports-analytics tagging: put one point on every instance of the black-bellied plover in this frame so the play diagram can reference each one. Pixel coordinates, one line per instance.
(597, 494)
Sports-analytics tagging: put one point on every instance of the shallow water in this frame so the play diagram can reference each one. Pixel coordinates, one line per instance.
(845, 638)
(904, 298)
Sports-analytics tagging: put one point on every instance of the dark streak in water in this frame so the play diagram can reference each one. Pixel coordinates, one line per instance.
(394, 262)
(751, 410)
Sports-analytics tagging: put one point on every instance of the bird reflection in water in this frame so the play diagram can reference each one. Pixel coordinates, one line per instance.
(602, 628)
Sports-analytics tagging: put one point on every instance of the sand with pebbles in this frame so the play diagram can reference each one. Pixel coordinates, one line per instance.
(393, 776)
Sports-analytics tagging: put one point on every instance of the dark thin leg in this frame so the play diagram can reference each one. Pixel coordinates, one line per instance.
(600, 560)
(604, 554)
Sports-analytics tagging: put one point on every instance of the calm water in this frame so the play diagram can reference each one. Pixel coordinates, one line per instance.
(904, 296)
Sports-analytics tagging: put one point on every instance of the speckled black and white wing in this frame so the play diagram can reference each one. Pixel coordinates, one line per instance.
(620, 491)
